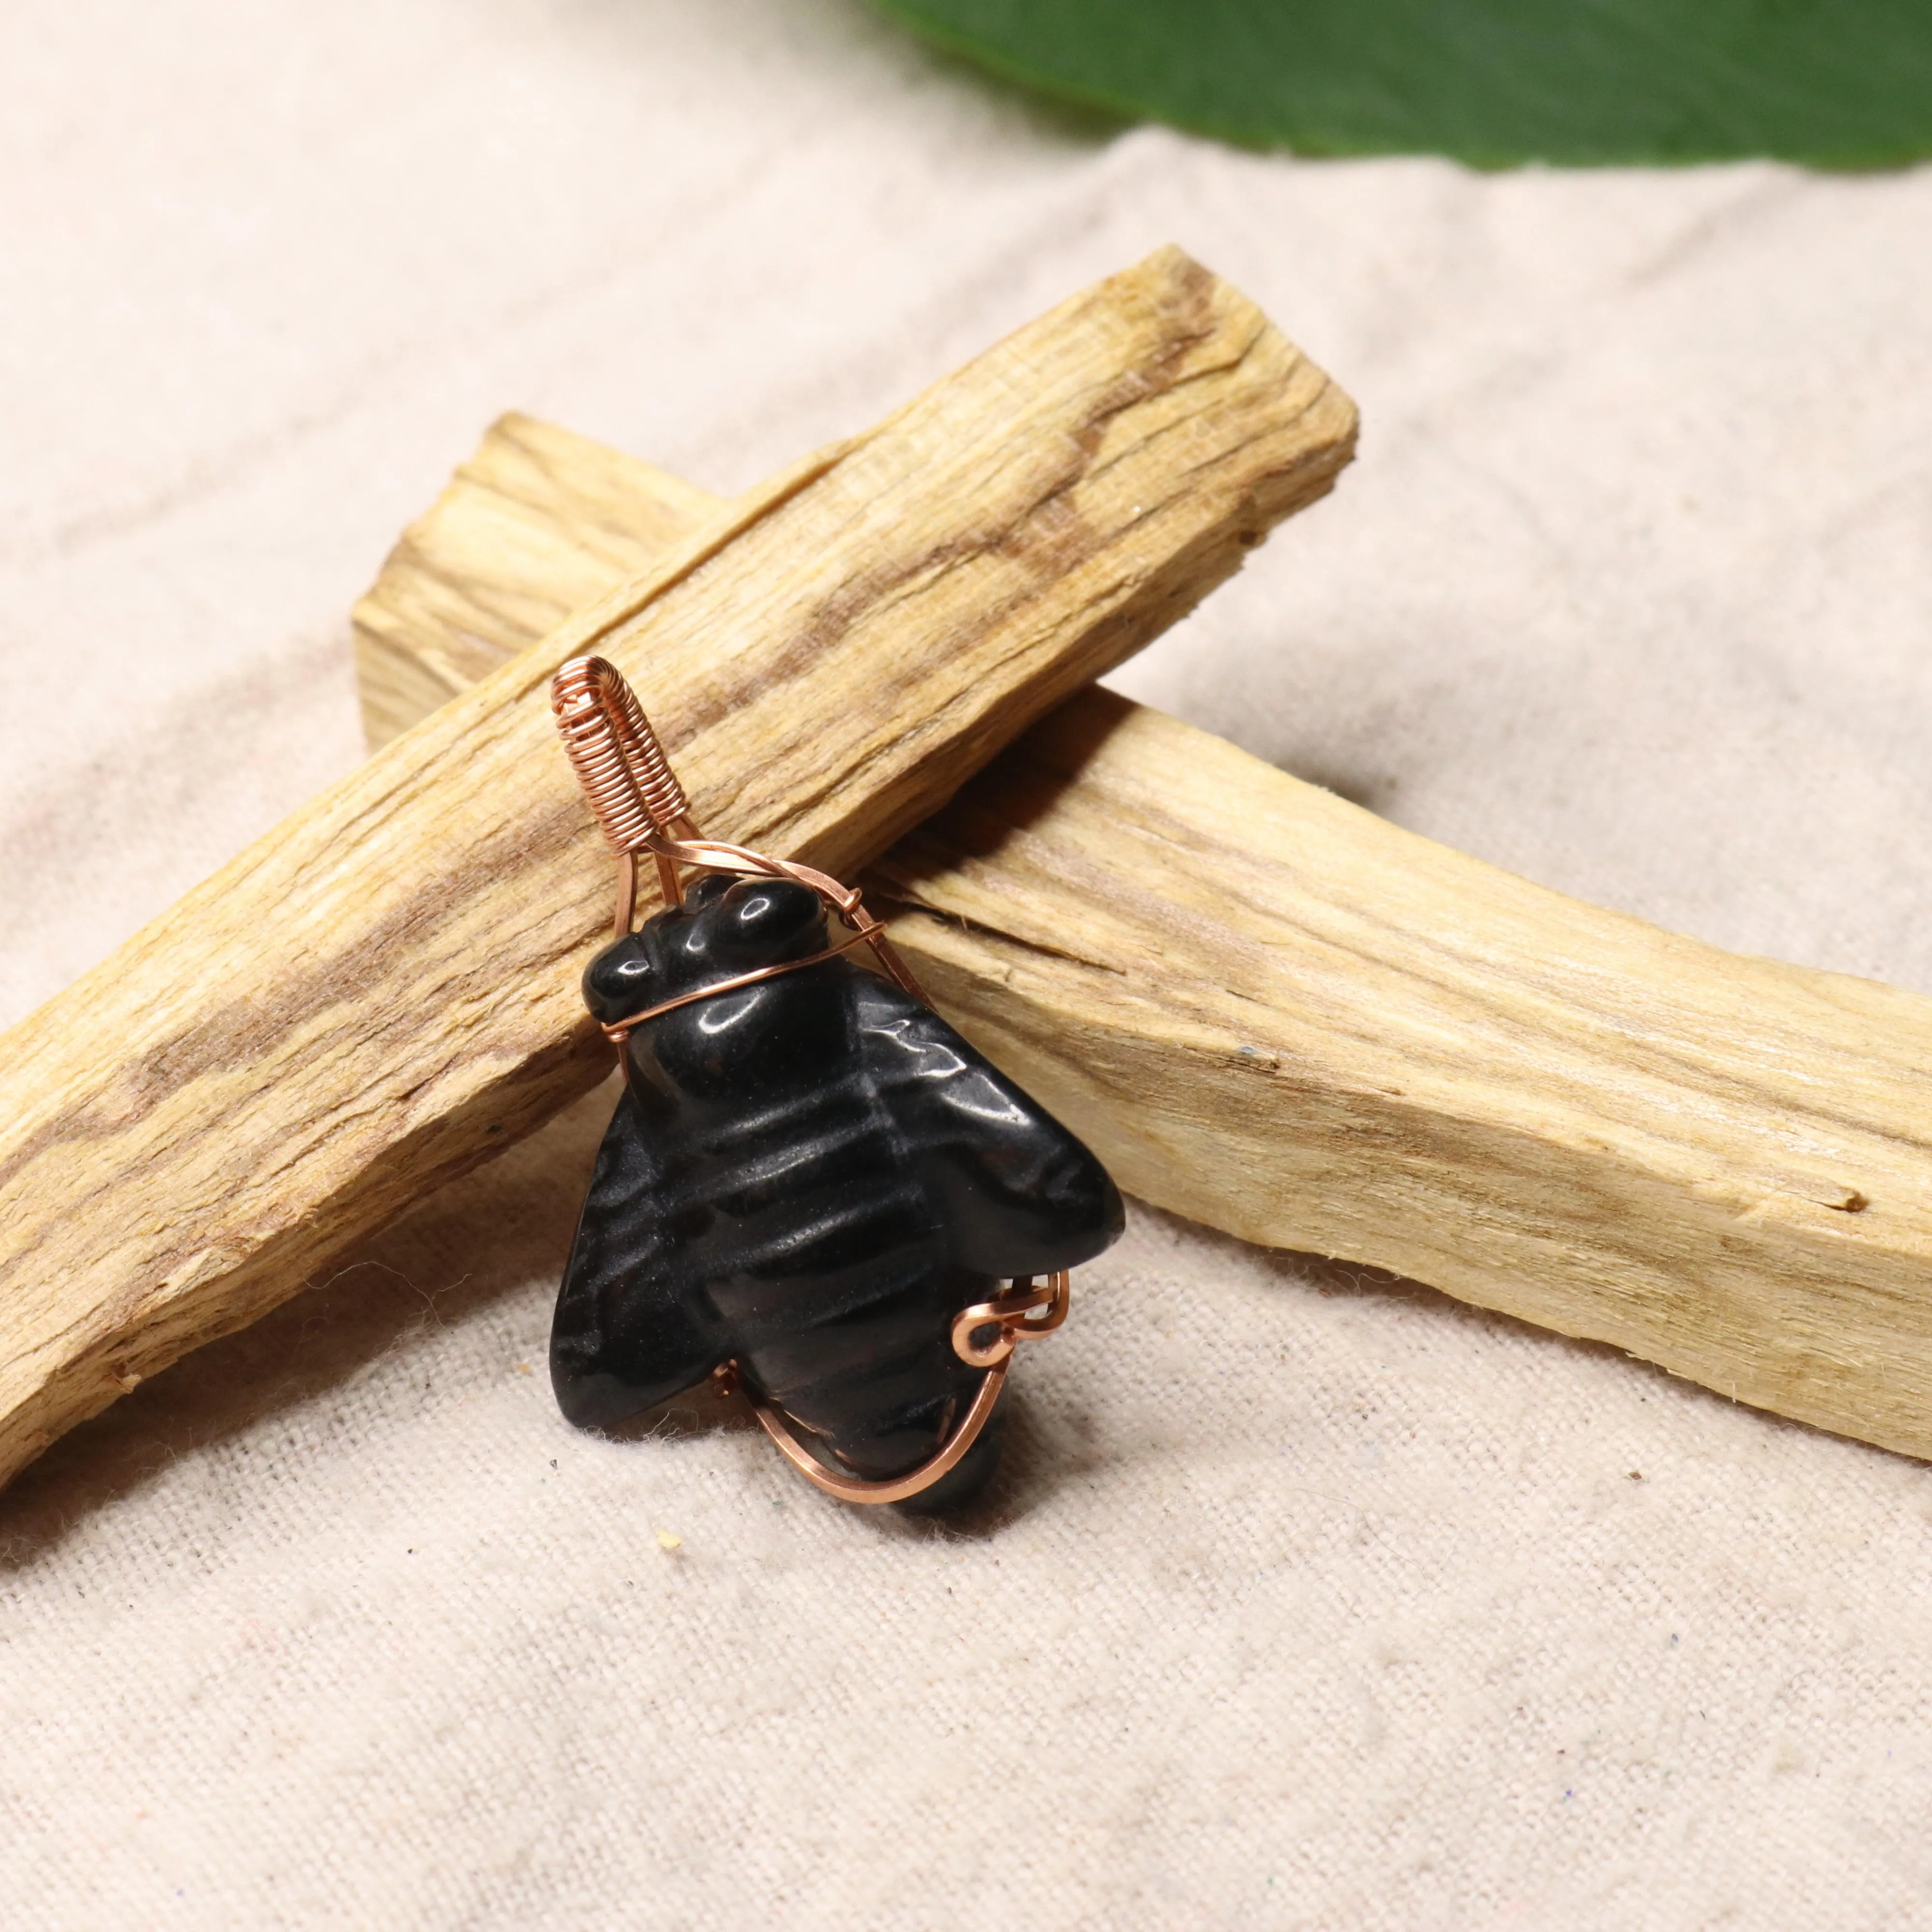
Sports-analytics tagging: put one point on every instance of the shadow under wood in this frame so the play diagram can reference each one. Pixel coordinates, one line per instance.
(1013, 793)
(503, 1231)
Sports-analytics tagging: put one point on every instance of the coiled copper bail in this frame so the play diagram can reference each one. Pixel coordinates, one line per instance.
(640, 807)
(625, 776)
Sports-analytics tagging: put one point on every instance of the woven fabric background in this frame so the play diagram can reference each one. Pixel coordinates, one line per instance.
(1309, 1599)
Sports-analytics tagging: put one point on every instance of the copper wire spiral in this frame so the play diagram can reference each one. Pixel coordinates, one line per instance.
(619, 761)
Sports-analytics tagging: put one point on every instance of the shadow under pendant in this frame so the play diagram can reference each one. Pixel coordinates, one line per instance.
(812, 1186)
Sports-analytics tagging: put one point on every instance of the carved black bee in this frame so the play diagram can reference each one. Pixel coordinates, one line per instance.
(810, 1176)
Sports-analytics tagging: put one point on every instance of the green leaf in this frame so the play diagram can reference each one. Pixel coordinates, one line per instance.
(1838, 83)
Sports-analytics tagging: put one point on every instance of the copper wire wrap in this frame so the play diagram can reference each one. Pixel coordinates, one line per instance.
(619, 761)
(1008, 1316)
(641, 808)
(625, 774)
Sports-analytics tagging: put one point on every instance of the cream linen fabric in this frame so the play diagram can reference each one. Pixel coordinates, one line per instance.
(1309, 1600)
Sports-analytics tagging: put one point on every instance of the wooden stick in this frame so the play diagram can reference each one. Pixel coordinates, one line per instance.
(382, 991)
(1274, 1012)
(536, 527)
(1278, 1014)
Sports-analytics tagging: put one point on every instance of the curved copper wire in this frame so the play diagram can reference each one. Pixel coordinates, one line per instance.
(618, 1031)
(899, 1489)
(1009, 1311)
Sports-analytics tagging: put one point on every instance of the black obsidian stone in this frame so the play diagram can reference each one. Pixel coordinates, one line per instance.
(812, 1176)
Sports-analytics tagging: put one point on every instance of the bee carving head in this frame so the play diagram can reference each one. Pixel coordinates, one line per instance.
(725, 927)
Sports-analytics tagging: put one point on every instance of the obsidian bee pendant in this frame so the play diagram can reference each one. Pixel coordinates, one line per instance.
(812, 1190)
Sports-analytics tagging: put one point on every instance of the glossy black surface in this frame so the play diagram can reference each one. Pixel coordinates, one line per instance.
(812, 1175)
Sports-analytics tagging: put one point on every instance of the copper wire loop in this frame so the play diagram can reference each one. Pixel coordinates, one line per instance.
(1008, 1312)
(641, 808)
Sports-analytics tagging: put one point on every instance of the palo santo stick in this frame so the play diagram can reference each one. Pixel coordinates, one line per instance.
(1276, 1013)
(382, 991)
(536, 527)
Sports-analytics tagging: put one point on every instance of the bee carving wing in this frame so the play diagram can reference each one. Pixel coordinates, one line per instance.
(1017, 1194)
(630, 1331)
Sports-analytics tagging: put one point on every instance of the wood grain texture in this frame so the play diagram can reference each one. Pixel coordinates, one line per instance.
(537, 526)
(1272, 1011)
(382, 991)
